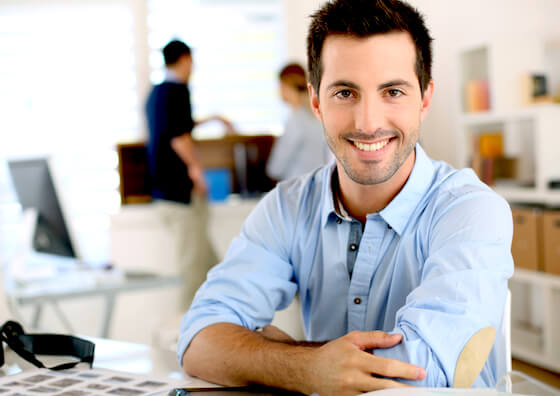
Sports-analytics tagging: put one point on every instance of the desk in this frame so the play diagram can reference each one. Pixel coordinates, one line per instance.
(142, 359)
(78, 284)
(117, 355)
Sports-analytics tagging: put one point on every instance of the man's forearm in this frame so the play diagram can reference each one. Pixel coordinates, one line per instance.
(229, 354)
(184, 147)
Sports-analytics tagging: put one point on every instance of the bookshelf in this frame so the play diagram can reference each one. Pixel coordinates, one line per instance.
(530, 135)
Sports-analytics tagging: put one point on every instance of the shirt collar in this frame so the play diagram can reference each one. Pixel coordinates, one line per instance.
(171, 76)
(328, 209)
(399, 210)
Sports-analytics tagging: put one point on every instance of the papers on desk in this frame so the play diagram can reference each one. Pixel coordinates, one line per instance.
(413, 391)
(85, 382)
(41, 271)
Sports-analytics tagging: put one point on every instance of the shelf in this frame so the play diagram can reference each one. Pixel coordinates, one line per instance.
(530, 137)
(536, 277)
(515, 194)
(494, 117)
(537, 358)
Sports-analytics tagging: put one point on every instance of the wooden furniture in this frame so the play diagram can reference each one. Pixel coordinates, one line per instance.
(244, 156)
(133, 173)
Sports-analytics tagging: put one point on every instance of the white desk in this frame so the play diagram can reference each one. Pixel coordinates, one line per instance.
(142, 359)
(116, 355)
(79, 284)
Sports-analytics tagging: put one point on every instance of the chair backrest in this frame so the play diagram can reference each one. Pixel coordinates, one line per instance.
(503, 347)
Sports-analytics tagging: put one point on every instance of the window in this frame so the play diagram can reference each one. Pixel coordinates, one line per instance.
(67, 72)
(238, 49)
(74, 78)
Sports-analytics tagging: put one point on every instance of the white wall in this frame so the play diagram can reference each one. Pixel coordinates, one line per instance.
(454, 24)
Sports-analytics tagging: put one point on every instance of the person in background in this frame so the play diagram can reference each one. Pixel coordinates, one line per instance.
(177, 175)
(302, 147)
(398, 259)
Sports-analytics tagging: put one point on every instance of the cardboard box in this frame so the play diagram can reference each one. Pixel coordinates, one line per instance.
(525, 247)
(551, 241)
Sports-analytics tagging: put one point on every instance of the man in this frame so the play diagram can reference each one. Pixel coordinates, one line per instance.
(174, 166)
(176, 172)
(398, 260)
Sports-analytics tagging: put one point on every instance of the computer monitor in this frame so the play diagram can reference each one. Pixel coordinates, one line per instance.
(36, 190)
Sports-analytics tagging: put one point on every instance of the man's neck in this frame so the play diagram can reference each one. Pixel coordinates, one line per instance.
(360, 200)
(173, 75)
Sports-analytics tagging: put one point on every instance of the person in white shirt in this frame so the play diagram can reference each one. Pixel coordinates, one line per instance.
(302, 146)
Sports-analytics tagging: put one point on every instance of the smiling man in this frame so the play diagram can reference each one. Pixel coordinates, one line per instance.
(398, 260)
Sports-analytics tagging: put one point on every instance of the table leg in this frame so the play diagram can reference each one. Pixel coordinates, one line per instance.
(36, 318)
(63, 318)
(109, 307)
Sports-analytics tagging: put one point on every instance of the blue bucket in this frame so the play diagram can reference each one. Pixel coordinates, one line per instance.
(219, 183)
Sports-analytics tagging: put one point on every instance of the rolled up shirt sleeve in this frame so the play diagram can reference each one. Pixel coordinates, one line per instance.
(255, 279)
(463, 287)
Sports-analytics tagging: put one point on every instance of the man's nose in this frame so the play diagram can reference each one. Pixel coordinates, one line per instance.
(368, 115)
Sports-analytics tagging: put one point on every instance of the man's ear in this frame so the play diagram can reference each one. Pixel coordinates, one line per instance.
(314, 101)
(427, 100)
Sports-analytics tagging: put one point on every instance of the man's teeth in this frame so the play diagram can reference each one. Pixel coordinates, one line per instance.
(371, 147)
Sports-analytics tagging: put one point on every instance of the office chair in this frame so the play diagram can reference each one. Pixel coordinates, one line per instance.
(504, 347)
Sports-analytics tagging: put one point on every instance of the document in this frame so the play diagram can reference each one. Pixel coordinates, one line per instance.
(413, 391)
(85, 382)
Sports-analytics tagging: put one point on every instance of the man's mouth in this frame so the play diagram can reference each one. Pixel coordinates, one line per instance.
(371, 146)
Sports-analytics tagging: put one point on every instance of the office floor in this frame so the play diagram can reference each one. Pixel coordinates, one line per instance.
(548, 377)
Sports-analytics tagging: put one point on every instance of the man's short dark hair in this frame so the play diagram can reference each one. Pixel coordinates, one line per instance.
(174, 50)
(363, 18)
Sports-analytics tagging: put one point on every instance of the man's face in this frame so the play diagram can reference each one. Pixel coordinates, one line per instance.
(370, 104)
(186, 62)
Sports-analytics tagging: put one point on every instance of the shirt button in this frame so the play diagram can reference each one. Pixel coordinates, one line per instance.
(353, 247)
(357, 300)
(338, 220)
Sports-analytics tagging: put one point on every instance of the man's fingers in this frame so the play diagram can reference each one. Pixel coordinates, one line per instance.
(394, 368)
(374, 339)
(382, 383)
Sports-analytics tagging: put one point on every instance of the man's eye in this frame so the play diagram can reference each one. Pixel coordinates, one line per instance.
(394, 93)
(344, 94)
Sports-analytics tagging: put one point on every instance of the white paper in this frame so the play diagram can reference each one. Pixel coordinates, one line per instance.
(85, 382)
(414, 391)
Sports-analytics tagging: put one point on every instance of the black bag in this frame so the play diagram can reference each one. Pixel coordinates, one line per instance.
(27, 345)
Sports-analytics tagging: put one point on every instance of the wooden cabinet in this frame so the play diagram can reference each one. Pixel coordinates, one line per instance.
(244, 157)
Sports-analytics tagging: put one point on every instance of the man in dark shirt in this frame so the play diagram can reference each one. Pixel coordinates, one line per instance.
(174, 166)
(176, 172)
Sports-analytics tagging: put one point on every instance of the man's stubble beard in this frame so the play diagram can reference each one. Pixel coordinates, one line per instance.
(374, 175)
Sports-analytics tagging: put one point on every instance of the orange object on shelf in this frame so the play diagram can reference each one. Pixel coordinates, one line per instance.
(490, 144)
(477, 96)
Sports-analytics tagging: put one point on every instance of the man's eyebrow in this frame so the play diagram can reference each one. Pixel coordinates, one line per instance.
(342, 83)
(394, 83)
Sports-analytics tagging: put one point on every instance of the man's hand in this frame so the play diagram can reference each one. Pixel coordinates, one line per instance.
(345, 367)
(230, 354)
(199, 183)
(230, 129)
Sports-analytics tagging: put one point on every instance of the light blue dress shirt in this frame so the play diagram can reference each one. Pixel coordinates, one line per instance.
(433, 266)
